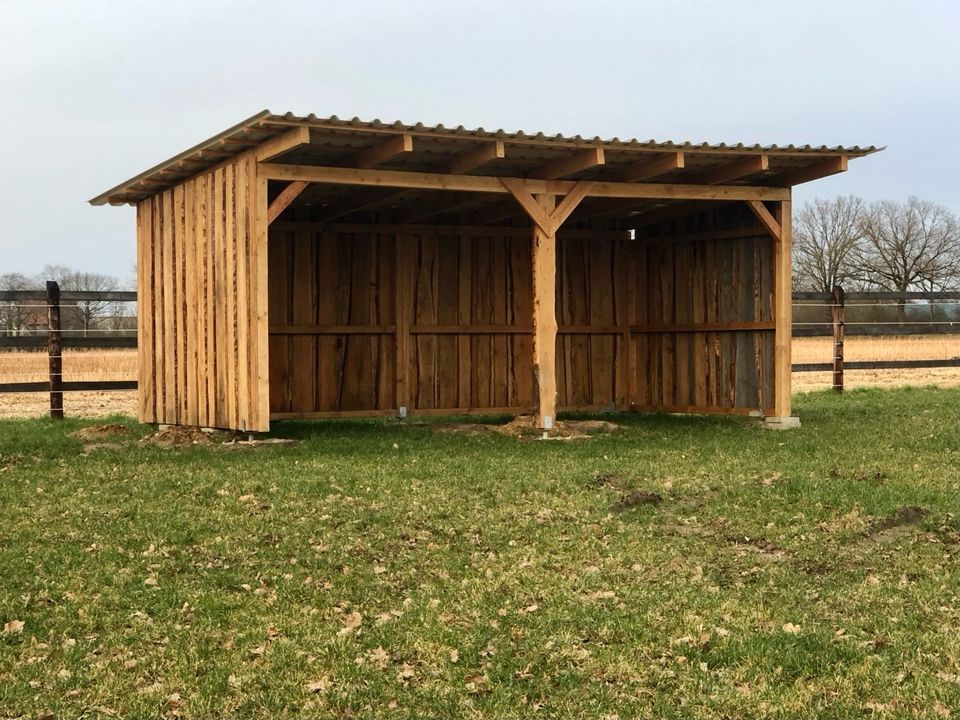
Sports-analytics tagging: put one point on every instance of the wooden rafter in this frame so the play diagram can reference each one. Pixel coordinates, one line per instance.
(766, 218)
(733, 170)
(476, 157)
(646, 169)
(570, 164)
(289, 140)
(357, 202)
(383, 151)
(282, 201)
(481, 183)
(822, 168)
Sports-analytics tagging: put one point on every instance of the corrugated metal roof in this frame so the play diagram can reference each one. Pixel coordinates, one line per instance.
(265, 124)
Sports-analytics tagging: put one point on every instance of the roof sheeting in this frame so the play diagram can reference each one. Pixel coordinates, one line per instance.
(336, 138)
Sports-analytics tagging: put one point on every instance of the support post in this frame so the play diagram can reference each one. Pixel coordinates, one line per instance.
(544, 261)
(54, 349)
(836, 313)
(783, 317)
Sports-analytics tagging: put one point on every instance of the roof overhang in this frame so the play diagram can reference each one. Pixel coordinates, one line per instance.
(335, 143)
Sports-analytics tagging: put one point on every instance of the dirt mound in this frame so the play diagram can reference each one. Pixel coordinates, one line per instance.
(895, 526)
(95, 432)
(522, 427)
(635, 499)
(180, 436)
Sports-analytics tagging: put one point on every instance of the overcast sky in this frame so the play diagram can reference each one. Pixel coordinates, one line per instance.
(95, 92)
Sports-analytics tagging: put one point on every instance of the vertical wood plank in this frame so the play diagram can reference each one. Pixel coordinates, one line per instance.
(783, 311)
(190, 300)
(169, 310)
(544, 262)
(145, 313)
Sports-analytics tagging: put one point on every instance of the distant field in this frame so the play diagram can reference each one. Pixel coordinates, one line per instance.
(122, 365)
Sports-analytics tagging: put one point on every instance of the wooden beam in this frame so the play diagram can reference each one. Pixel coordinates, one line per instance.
(782, 312)
(570, 164)
(823, 168)
(481, 183)
(476, 157)
(383, 151)
(733, 170)
(280, 144)
(544, 266)
(569, 204)
(528, 202)
(765, 218)
(283, 200)
(646, 169)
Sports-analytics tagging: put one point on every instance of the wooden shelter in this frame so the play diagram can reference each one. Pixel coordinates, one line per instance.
(304, 267)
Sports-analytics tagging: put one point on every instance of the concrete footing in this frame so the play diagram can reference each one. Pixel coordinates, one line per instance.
(781, 423)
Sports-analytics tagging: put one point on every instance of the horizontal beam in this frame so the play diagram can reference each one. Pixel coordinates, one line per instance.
(481, 183)
(283, 143)
(822, 168)
(646, 169)
(476, 157)
(733, 170)
(570, 164)
(384, 151)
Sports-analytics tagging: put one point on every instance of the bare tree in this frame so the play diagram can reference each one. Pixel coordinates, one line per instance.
(86, 312)
(909, 246)
(826, 234)
(15, 315)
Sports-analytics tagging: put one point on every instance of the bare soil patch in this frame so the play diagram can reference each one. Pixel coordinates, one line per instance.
(895, 526)
(180, 436)
(635, 498)
(94, 432)
(521, 427)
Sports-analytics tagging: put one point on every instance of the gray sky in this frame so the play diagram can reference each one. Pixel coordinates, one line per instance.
(95, 92)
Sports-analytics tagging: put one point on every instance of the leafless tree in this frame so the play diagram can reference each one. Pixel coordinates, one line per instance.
(87, 312)
(826, 235)
(909, 246)
(15, 315)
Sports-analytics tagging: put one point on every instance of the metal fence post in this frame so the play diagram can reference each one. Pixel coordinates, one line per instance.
(836, 314)
(54, 349)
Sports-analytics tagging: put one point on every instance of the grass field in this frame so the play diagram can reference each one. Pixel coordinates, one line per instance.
(122, 365)
(379, 570)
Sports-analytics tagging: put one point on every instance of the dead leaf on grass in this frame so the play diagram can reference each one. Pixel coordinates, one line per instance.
(320, 685)
(13, 627)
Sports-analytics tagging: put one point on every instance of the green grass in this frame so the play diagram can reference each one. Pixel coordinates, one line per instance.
(379, 570)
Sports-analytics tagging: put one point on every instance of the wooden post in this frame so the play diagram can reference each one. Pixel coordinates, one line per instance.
(836, 312)
(544, 261)
(783, 313)
(54, 349)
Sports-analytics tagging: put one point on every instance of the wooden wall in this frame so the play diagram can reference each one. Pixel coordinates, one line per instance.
(364, 320)
(201, 276)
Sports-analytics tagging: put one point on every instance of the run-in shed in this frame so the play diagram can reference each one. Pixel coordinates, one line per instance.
(305, 267)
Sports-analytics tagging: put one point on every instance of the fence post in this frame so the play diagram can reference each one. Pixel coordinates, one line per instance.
(54, 349)
(836, 313)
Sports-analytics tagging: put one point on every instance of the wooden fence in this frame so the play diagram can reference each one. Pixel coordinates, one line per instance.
(835, 307)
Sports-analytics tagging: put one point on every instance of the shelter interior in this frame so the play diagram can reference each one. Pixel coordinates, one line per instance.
(415, 270)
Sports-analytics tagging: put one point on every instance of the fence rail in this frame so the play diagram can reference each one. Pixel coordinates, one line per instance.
(55, 339)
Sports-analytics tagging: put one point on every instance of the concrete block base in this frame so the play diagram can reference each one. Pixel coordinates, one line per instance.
(781, 423)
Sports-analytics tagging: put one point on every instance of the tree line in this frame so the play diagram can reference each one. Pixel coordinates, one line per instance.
(884, 245)
(83, 315)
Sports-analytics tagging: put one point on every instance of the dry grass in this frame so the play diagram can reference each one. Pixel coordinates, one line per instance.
(122, 365)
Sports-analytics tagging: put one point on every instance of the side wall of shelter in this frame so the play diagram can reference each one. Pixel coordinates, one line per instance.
(202, 283)
(368, 319)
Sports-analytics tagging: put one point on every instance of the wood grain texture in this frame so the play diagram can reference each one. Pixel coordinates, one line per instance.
(198, 269)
